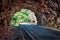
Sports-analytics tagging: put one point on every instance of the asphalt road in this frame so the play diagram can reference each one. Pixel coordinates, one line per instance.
(35, 32)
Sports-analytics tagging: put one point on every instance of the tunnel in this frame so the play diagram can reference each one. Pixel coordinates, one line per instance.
(44, 25)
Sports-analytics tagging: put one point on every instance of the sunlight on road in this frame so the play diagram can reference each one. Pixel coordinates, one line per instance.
(27, 23)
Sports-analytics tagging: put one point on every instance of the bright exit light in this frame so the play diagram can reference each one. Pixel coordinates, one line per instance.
(23, 16)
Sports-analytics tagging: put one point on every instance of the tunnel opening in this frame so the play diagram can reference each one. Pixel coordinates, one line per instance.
(23, 16)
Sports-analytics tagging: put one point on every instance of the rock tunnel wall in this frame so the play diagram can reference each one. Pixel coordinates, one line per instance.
(8, 7)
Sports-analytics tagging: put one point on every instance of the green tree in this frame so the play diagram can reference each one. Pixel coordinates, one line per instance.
(20, 16)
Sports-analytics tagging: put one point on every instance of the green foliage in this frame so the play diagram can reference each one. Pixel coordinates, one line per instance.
(20, 16)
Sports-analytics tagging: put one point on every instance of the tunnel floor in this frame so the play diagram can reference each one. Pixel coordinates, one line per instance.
(36, 32)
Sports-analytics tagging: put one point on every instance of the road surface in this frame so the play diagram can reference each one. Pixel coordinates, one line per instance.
(35, 32)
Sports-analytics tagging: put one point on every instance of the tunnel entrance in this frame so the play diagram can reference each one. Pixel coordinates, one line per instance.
(23, 16)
